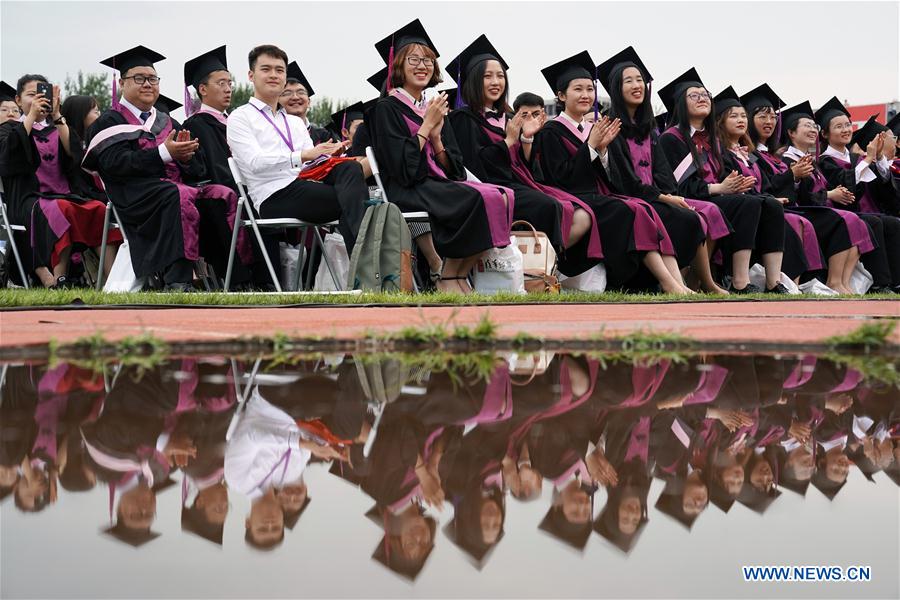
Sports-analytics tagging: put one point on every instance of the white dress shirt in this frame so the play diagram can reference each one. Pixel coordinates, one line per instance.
(863, 172)
(256, 457)
(604, 160)
(163, 151)
(264, 158)
(208, 108)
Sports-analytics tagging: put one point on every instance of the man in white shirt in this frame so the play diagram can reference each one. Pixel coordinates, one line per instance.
(271, 147)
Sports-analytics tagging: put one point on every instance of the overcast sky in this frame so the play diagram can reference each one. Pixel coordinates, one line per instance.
(805, 50)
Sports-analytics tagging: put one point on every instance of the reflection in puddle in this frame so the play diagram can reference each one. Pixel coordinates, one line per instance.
(433, 453)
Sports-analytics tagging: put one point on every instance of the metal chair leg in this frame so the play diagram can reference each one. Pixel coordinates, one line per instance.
(318, 240)
(103, 242)
(238, 216)
(15, 249)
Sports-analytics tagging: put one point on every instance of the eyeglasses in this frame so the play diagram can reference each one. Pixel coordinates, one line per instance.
(142, 79)
(843, 127)
(415, 61)
(698, 96)
(225, 84)
(12, 111)
(294, 93)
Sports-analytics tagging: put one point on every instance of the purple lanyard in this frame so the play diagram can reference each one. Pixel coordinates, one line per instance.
(289, 140)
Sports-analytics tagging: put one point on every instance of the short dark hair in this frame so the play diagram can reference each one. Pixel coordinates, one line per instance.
(265, 546)
(26, 79)
(268, 50)
(527, 99)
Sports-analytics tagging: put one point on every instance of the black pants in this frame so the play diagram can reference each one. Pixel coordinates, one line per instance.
(341, 195)
(884, 261)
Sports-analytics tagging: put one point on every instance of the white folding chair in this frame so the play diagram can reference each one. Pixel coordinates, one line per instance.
(409, 217)
(107, 225)
(285, 223)
(9, 229)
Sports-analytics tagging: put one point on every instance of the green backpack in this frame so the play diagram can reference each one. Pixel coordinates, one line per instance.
(382, 256)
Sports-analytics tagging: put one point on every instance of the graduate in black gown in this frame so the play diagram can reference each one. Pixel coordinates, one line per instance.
(692, 149)
(45, 190)
(296, 101)
(572, 156)
(209, 76)
(865, 233)
(641, 168)
(493, 150)
(867, 177)
(887, 196)
(143, 158)
(9, 110)
(421, 164)
(732, 127)
(838, 254)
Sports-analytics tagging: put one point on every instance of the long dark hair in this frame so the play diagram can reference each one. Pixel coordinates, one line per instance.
(75, 109)
(473, 90)
(683, 123)
(643, 122)
(754, 134)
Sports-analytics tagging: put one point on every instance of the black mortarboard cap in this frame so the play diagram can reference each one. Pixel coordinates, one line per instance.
(139, 56)
(825, 485)
(166, 104)
(661, 121)
(671, 503)
(132, 537)
(196, 69)
(726, 99)
(342, 119)
(756, 499)
(790, 116)
(669, 92)
(192, 521)
(294, 72)
(894, 124)
(477, 551)
(411, 33)
(830, 110)
(478, 51)
(574, 534)
(452, 95)
(867, 133)
(626, 58)
(7, 92)
(378, 80)
(761, 96)
(719, 496)
(578, 66)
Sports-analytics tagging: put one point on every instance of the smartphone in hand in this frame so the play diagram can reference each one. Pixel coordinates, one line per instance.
(47, 90)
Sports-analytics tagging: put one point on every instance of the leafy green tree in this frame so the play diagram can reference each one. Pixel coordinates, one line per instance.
(90, 84)
(241, 94)
(321, 109)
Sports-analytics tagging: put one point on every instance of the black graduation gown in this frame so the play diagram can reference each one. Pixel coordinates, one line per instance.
(489, 162)
(552, 164)
(211, 134)
(831, 230)
(684, 225)
(149, 203)
(361, 140)
(885, 227)
(320, 134)
(20, 160)
(742, 211)
(459, 223)
(794, 262)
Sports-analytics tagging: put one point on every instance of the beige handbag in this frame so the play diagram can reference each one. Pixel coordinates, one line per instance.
(539, 259)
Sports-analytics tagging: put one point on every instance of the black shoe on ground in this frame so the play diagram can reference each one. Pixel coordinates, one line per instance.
(778, 289)
(181, 288)
(748, 289)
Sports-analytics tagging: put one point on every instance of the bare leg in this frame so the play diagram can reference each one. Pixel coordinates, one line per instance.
(740, 269)
(852, 261)
(581, 224)
(62, 267)
(46, 277)
(654, 262)
(772, 263)
(451, 268)
(109, 259)
(426, 244)
(704, 271)
(836, 267)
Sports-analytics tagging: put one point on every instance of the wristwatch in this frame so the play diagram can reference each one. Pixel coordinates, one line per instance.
(60, 121)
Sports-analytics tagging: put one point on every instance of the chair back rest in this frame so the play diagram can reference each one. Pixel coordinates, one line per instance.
(376, 173)
(235, 171)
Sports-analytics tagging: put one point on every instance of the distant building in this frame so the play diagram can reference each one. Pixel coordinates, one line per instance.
(882, 112)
